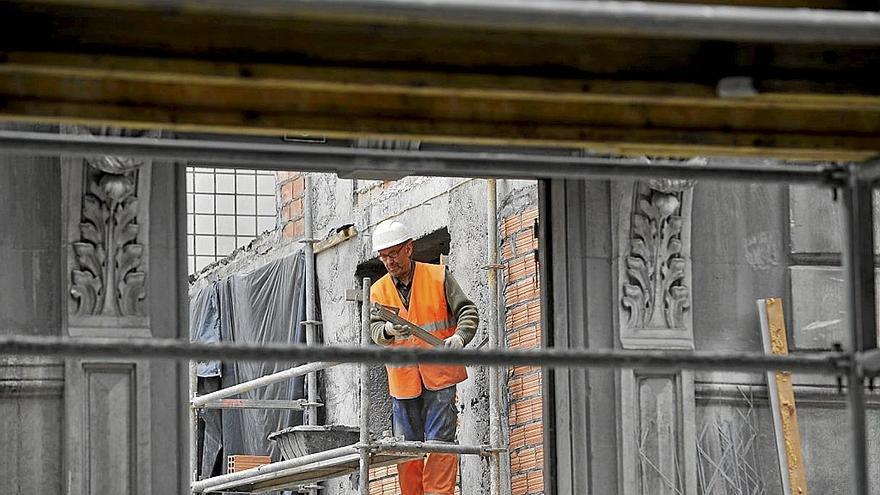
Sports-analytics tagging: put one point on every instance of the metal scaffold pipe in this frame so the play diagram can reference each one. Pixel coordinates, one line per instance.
(364, 471)
(332, 159)
(262, 381)
(620, 18)
(311, 331)
(217, 481)
(492, 325)
(193, 425)
(815, 363)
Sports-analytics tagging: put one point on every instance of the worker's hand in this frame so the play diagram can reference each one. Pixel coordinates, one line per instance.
(453, 342)
(402, 331)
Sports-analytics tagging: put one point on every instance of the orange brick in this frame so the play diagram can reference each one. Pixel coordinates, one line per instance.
(525, 290)
(529, 216)
(520, 268)
(525, 242)
(528, 483)
(525, 338)
(299, 185)
(292, 210)
(287, 232)
(299, 228)
(523, 370)
(506, 250)
(525, 386)
(522, 315)
(286, 192)
(524, 411)
(526, 459)
(511, 224)
(528, 435)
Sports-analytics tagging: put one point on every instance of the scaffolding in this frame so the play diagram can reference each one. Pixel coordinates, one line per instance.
(859, 361)
(302, 472)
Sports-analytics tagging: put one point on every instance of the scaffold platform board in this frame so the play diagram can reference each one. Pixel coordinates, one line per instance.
(309, 473)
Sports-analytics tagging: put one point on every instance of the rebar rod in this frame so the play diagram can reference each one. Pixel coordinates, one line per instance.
(364, 465)
(813, 363)
(256, 382)
(321, 158)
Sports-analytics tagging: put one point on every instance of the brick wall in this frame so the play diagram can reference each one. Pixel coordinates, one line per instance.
(523, 327)
(291, 191)
(383, 481)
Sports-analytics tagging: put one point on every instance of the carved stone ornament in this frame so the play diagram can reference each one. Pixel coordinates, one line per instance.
(655, 265)
(108, 276)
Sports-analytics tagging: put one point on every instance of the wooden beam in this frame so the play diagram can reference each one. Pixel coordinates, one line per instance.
(199, 69)
(788, 438)
(649, 117)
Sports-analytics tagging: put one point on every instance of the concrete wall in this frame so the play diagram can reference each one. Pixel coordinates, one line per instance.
(426, 205)
(87, 425)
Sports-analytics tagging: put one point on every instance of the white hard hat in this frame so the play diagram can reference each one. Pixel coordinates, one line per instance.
(390, 233)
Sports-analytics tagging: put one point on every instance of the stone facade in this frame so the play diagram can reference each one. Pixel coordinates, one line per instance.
(78, 237)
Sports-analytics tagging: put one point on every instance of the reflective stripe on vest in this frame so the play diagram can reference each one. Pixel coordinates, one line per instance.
(427, 309)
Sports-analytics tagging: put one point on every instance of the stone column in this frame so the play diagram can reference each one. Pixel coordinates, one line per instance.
(654, 312)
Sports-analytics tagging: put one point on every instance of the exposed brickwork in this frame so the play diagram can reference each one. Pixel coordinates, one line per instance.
(383, 481)
(291, 191)
(523, 327)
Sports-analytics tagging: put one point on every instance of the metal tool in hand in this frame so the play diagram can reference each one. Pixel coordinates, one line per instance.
(389, 313)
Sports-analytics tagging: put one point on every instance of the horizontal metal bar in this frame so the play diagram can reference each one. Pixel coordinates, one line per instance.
(868, 172)
(623, 18)
(296, 405)
(217, 481)
(405, 447)
(263, 380)
(817, 363)
(319, 158)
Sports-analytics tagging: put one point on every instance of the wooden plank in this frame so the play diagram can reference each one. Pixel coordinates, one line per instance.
(813, 114)
(788, 440)
(636, 119)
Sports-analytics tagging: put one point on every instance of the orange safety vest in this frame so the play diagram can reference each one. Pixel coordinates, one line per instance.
(427, 309)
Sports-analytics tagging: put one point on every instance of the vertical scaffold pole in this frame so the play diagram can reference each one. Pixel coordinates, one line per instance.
(364, 478)
(193, 425)
(494, 338)
(858, 261)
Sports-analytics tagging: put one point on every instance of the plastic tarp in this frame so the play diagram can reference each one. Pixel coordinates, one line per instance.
(263, 306)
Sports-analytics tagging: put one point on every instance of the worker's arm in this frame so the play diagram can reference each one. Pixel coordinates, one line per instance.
(377, 331)
(462, 308)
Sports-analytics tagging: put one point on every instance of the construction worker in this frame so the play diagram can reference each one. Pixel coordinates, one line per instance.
(423, 395)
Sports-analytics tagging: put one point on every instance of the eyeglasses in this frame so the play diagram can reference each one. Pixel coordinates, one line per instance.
(392, 255)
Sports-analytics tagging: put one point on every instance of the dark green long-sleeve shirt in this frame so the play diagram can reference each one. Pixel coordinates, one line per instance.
(464, 311)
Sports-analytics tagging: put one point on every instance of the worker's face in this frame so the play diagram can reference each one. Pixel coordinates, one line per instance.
(397, 259)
